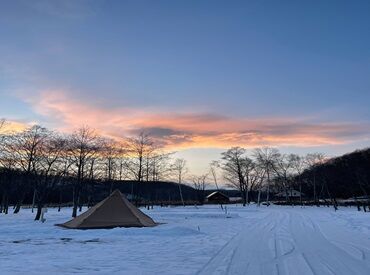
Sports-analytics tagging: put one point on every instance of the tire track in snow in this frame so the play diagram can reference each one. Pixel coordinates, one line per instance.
(323, 256)
(339, 243)
(232, 249)
(351, 249)
(287, 241)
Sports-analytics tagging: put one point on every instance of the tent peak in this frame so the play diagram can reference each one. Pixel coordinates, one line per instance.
(116, 191)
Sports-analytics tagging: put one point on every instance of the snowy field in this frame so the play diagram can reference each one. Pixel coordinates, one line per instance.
(203, 240)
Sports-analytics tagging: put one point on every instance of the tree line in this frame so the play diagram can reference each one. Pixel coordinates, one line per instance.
(40, 161)
(318, 179)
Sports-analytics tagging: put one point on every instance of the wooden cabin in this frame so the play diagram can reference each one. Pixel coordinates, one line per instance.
(217, 197)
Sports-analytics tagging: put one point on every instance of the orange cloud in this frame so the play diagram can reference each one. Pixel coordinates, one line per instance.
(12, 127)
(190, 130)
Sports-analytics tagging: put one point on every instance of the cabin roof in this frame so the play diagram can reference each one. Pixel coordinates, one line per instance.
(216, 193)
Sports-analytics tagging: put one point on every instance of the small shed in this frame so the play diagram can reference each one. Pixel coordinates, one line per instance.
(217, 197)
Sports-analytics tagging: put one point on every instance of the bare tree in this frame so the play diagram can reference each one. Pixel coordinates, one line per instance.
(122, 164)
(139, 148)
(49, 168)
(253, 175)
(2, 137)
(84, 145)
(233, 166)
(266, 158)
(283, 169)
(7, 166)
(110, 153)
(200, 184)
(299, 165)
(312, 161)
(179, 167)
(256, 180)
(213, 166)
(26, 148)
(160, 166)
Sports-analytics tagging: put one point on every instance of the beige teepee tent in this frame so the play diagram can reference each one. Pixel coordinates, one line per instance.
(114, 211)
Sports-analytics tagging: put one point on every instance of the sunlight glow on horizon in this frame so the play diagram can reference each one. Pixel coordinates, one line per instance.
(179, 131)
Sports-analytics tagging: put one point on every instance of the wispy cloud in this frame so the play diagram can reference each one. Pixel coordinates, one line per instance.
(192, 129)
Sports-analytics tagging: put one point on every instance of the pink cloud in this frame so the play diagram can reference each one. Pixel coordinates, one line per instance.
(189, 130)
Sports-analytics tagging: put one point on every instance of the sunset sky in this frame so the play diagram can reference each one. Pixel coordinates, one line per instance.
(199, 76)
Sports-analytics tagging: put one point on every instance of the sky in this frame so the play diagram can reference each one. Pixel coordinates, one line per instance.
(199, 76)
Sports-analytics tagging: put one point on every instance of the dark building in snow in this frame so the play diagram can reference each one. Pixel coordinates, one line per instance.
(292, 194)
(217, 197)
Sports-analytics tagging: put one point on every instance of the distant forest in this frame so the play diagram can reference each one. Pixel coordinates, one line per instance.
(40, 167)
(343, 177)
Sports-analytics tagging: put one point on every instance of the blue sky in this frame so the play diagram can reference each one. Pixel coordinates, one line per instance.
(201, 75)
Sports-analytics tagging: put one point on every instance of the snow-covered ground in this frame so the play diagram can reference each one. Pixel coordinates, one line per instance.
(204, 240)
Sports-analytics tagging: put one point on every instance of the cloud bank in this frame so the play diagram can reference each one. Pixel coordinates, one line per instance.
(177, 130)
